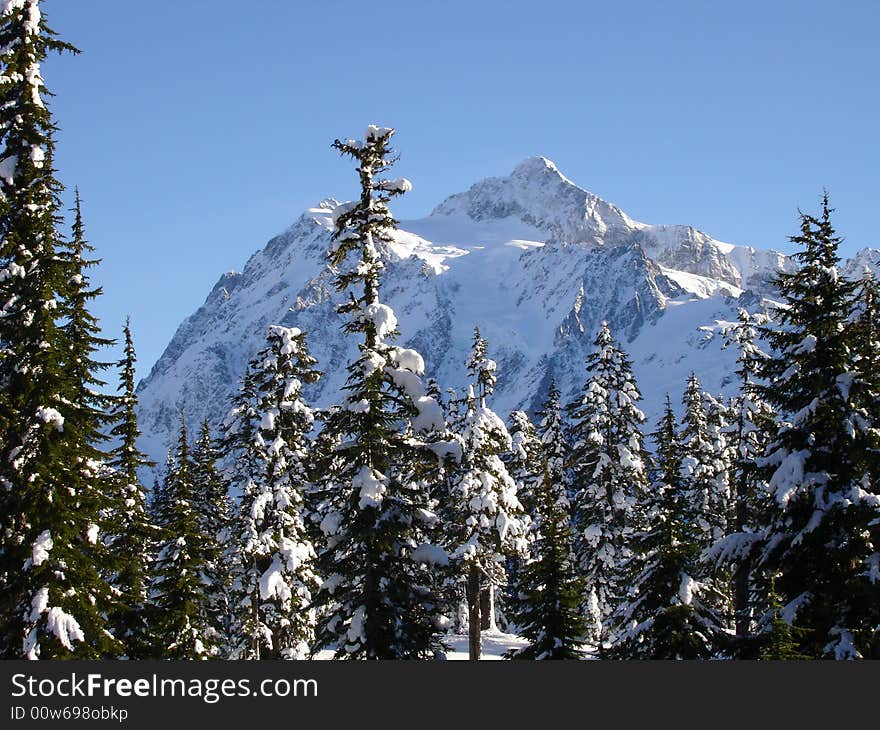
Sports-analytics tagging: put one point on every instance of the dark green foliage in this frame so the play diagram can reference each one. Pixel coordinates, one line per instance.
(53, 598)
(134, 536)
(550, 589)
(178, 591)
(822, 531)
(609, 467)
(379, 599)
(270, 555)
(213, 508)
(665, 615)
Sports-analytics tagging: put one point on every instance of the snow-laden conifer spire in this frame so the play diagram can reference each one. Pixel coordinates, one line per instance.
(487, 523)
(272, 558)
(609, 466)
(821, 536)
(379, 596)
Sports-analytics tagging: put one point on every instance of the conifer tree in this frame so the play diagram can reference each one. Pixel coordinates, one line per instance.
(747, 434)
(524, 460)
(664, 615)
(486, 522)
(865, 339)
(378, 598)
(213, 509)
(178, 588)
(781, 640)
(53, 596)
(609, 465)
(525, 466)
(549, 587)
(704, 464)
(822, 532)
(134, 534)
(272, 556)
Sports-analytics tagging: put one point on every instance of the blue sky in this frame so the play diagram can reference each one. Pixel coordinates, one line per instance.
(198, 129)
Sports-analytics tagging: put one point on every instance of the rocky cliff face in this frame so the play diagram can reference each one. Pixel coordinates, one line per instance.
(534, 261)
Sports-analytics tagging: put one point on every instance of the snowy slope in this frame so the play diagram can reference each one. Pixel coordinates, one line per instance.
(532, 259)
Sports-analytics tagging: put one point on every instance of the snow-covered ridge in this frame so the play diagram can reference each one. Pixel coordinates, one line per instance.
(532, 259)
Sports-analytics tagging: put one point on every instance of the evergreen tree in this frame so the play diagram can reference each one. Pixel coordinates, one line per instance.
(378, 599)
(134, 534)
(705, 466)
(53, 596)
(747, 434)
(609, 467)
(272, 556)
(485, 520)
(525, 466)
(524, 462)
(865, 338)
(178, 586)
(213, 509)
(664, 615)
(822, 532)
(704, 463)
(780, 640)
(550, 588)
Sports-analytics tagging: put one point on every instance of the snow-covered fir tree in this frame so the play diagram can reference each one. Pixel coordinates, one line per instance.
(704, 463)
(524, 462)
(378, 599)
(664, 614)
(53, 596)
(133, 533)
(525, 466)
(704, 470)
(822, 535)
(549, 586)
(747, 434)
(486, 522)
(178, 587)
(272, 556)
(212, 506)
(609, 466)
(865, 390)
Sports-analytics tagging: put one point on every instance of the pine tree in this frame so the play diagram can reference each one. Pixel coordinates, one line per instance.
(53, 597)
(212, 507)
(178, 588)
(822, 532)
(134, 534)
(609, 465)
(550, 589)
(664, 615)
(272, 556)
(486, 522)
(378, 599)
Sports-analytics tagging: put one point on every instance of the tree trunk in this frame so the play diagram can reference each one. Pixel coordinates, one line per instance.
(473, 602)
(487, 608)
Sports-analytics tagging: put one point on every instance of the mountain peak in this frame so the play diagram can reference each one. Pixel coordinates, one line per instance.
(538, 194)
(534, 166)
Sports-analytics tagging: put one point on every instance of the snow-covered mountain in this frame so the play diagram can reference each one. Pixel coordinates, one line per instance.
(532, 259)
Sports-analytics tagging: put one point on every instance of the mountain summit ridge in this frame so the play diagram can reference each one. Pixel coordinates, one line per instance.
(531, 258)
